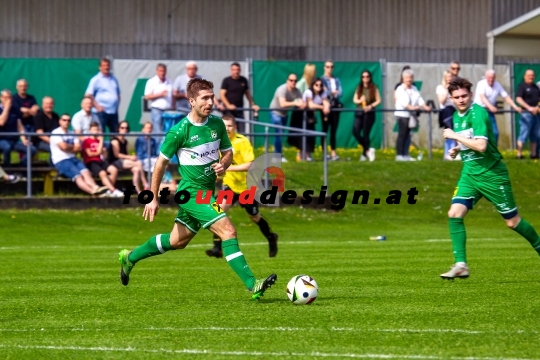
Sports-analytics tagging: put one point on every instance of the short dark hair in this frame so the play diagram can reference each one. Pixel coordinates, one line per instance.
(459, 83)
(229, 117)
(104, 59)
(235, 64)
(196, 85)
(161, 65)
(93, 124)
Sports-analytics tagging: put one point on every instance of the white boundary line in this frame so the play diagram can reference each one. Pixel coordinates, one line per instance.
(360, 241)
(285, 329)
(249, 353)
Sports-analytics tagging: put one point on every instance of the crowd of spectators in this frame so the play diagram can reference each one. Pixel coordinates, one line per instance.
(295, 103)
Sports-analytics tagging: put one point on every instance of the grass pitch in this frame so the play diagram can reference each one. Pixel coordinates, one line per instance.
(60, 296)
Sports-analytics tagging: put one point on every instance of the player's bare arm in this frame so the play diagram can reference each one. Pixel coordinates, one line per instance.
(151, 209)
(473, 144)
(226, 159)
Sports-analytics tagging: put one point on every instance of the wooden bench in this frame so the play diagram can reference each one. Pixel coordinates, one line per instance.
(46, 172)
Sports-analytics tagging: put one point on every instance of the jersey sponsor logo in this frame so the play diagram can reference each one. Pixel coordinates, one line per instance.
(456, 190)
(194, 155)
(216, 207)
(194, 138)
(213, 134)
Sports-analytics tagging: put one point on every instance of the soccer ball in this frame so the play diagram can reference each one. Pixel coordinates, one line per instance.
(302, 290)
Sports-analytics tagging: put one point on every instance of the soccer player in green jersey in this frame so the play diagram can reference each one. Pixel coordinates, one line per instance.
(197, 140)
(483, 175)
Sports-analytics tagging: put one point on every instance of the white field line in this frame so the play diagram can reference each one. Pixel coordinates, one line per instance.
(283, 329)
(242, 244)
(249, 353)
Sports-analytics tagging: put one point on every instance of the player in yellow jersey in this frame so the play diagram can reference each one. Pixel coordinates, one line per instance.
(235, 180)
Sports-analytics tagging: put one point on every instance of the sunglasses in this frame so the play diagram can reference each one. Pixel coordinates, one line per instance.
(455, 68)
(329, 66)
(292, 80)
(124, 127)
(317, 84)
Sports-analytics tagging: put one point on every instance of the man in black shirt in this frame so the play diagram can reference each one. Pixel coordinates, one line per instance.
(528, 97)
(10, 122)
(233, 89)
(26, 104)
(45, 121)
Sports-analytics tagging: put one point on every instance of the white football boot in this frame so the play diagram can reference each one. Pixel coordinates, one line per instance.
(458, 270)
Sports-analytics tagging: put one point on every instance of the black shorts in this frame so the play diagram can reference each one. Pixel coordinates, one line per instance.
(251, 209)
(96, 167)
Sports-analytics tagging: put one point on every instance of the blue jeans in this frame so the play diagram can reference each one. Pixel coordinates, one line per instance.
(7, 146)
(278, 120)
(108, 120)
(71, 168)
(156, 115)
(529, 126)
(495, 128)
(448, 144)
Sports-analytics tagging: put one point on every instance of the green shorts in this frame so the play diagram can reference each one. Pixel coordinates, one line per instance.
(194, 216)
(494, 185)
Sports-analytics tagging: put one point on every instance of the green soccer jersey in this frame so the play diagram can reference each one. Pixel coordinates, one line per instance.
(198, 146)
(475, 124)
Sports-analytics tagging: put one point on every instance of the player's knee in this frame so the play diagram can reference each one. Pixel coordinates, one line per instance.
(229, 232)
(512, 223)
(255, 218)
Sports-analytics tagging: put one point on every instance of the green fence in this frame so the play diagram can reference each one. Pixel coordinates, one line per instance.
(519, 71)
(268, 75)
(63, 79)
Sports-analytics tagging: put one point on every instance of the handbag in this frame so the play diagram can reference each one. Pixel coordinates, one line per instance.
(413, 122)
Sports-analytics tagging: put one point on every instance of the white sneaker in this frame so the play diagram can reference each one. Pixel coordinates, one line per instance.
(117, 194)
(371, 154)
(458, 270)
(400, 158)
(363, 158)
(458, 157)
(410, 159)
(106, 194)
(447, 158)
(283, 160)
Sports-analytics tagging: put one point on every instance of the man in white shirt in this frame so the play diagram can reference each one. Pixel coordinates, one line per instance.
(487, 91)
(180, 89)
(63, 150)
(82, 119)
(159, 91)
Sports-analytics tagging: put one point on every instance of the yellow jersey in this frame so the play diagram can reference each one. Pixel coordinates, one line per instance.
(242, 153)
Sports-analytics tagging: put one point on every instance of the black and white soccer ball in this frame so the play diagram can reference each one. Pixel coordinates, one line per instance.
(302, 290)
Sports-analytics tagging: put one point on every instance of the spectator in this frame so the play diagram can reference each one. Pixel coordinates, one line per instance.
(367, 97)
(83, 118)
(26, 104)
(180, 89)
(142, 151)
(10, 179)
(105, 92)
(287, 96)
(45, 121)
(454, 68)
(118, 156)
(487, 91)
(10, 122)
(233, 89)
(92, 151)
(408, 143)
(159, 92)
(408, 103)
(307, 79)
(446, 112)
(316, 99)
(64, 146)
(332, 86)
(528, 97)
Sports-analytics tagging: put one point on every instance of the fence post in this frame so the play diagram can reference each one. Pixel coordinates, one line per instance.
(325, 161)
(304, 124)
(266, 165)
(430, 140)
(28, 169)
(148, 147)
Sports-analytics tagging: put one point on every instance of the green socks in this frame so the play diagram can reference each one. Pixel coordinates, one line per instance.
(237, 262)
(527, 231)
(157, 245)
(459, 238)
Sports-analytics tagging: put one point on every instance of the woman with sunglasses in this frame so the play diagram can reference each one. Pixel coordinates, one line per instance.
(366, 97)
(118, 157)
(316, 99)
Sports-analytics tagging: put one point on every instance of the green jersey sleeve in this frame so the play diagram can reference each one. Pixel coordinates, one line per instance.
(480, 121)
(172, 143)
(225, 143)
